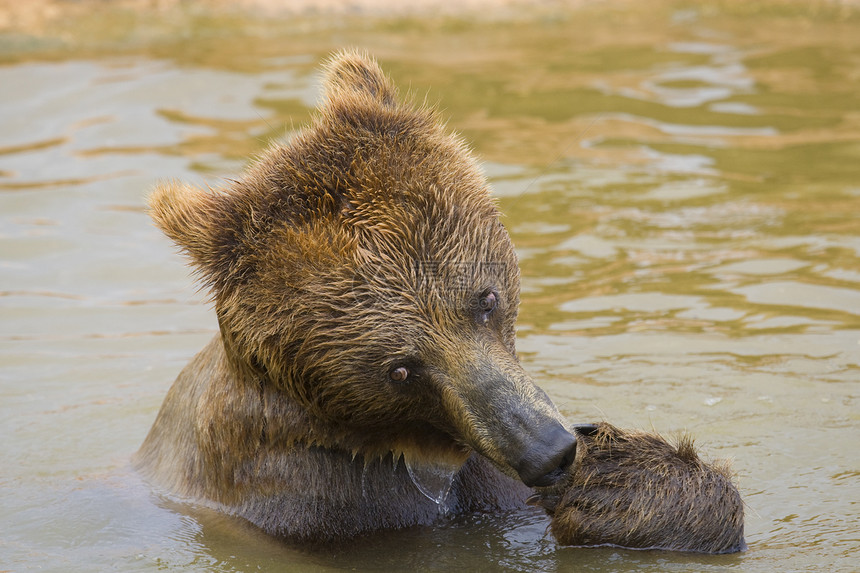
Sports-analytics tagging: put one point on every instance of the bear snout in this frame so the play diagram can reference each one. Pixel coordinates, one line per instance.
(547, 458)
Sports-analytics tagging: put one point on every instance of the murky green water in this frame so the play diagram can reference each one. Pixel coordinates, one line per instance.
(682, 182)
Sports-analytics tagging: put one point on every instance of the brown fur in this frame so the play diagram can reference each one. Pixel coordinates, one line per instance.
(634, 489)
(366, 242)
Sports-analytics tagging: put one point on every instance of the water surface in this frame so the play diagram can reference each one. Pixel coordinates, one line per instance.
(682, 183)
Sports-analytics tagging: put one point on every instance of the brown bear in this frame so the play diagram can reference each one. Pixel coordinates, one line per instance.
(634, 489)
(365, 375)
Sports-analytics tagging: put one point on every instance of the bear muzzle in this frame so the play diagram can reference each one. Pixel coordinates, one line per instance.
(508, 419)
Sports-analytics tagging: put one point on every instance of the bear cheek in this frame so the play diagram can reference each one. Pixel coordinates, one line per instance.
(368, 402)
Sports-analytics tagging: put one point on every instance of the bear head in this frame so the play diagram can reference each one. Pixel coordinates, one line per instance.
(361, 270)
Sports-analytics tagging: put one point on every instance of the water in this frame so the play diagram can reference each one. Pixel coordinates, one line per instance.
(682, 183)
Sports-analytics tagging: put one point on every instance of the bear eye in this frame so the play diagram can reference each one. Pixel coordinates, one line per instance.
(399, 374)
(487, 304)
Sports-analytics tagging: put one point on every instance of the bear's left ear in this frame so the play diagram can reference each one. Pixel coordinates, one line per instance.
(196, 220)
(353, 72)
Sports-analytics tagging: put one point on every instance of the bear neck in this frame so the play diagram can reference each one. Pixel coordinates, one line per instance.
(243, 432)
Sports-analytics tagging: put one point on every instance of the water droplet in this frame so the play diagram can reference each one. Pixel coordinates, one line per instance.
(432, 479)
(364, 493)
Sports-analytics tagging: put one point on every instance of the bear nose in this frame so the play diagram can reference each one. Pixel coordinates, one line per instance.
(548, 457)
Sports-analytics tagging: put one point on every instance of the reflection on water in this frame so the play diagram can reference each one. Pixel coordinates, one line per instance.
(682, 183)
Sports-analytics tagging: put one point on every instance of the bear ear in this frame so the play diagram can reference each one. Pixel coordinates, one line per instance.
(194, 219)
(355, 72)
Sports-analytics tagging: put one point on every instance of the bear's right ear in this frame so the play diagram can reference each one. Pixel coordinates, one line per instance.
(195, 219)
(355, 72)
